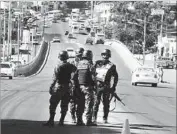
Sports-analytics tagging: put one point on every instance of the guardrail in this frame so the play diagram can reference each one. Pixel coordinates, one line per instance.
(131, 62)
(32, 67)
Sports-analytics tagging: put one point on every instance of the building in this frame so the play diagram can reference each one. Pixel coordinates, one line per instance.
(103, 11)
(167, 46)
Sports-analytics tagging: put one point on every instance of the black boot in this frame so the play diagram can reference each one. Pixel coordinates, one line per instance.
(73, 118)
(95, 117)
(61, 121)
(90, 123)
(80, 121)
(105, 118)
(50, 122)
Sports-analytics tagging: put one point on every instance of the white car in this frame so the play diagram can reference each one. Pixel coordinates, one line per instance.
(71, 52)
(6, 70)
(145, 75)
(56, 40)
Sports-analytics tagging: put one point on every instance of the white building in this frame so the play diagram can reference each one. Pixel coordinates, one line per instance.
(103, 11)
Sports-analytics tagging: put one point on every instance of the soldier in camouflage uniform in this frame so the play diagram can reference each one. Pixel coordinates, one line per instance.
(85, 75)
(107, 79)
(59, 88)
(73, 100)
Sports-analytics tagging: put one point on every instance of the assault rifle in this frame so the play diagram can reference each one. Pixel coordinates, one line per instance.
(117, 97)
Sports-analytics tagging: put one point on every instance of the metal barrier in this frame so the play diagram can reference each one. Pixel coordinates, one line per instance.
(33, 66)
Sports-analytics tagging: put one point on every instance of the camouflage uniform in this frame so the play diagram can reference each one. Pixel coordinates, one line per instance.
(85, 74)
(105, 71)
(75, 88)
(59, 90)
(73, 95)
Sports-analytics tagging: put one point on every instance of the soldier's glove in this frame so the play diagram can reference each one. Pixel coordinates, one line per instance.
(113, 89)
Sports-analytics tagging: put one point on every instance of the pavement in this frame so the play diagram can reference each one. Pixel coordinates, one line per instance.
(25, 101)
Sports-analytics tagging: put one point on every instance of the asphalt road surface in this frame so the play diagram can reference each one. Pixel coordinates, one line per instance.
(25, 101)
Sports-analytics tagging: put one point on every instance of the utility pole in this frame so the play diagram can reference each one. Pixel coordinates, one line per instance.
(44, 20)
(18, 36)
(92, 9)
(4, 37)
(144, 39)
(8, 41)
(1, 29)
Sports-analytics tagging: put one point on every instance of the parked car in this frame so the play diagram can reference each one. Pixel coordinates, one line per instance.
(6, 70)
(174, 59)
(56, 40)
(145, 75)
(165, 62)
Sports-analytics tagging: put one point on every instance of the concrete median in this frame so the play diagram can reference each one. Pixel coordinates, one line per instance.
(36, 64)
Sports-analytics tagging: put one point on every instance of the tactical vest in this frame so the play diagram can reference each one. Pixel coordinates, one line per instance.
(84, 74)
(102, 71)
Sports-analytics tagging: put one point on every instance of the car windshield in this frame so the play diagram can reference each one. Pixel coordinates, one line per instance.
(146, 69)
(4, 65)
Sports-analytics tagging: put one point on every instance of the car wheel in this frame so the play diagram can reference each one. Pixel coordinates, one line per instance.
(10, 77)
(154, 85)
(135, 84)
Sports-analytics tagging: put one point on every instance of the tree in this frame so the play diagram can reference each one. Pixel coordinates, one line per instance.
(130, 22)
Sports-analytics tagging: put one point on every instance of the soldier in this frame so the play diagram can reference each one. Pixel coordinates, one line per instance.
(107, 79)
(85, 77)
(59, 88)
(73, 99)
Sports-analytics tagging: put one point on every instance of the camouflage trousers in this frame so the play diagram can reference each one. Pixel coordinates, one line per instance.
(103, 94)
(73, 105)
(61, 94)
(85, 101)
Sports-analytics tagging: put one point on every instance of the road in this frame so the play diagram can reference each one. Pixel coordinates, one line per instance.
(25, 101)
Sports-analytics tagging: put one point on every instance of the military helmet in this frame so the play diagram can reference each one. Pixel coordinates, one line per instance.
(106, 52)
(87, 54)
(63, 55)
(79, 51)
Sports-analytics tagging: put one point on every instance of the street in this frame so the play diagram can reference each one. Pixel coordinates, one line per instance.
(25, 100)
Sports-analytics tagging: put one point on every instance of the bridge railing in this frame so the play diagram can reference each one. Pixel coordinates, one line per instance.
(35, 65)
(130, 61)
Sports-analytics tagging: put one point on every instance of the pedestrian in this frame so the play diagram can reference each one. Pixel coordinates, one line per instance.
(59, 89)
(161, 74)
(107, 79)
(85, 76)
(73, 100)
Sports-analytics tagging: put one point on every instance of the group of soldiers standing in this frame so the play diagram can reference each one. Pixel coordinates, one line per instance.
(82, 84)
